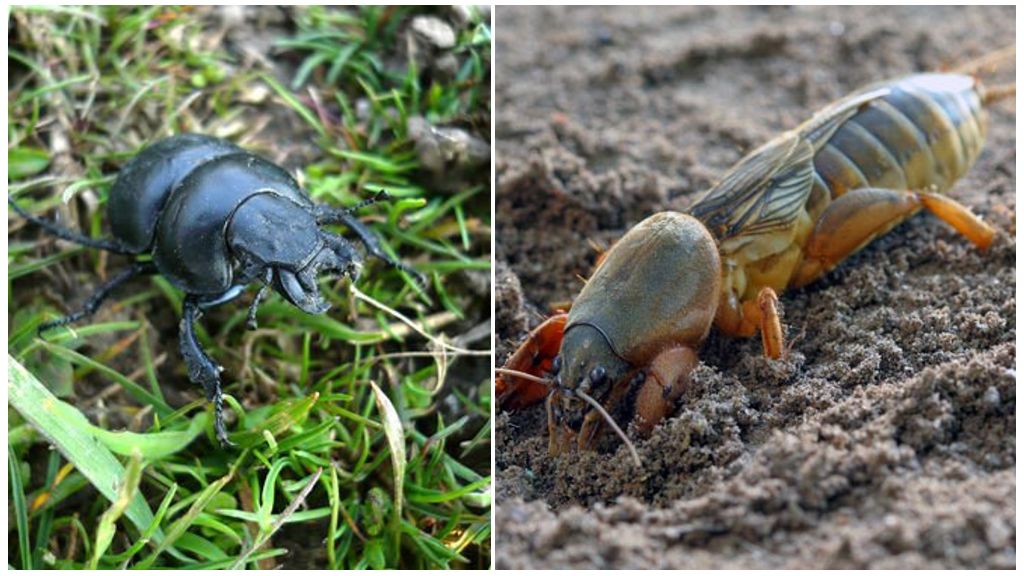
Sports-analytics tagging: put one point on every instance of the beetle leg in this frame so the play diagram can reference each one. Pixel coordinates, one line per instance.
(328, 215)
(372, 244)
(667, 379)
(96, 300)
(856, 218)
(110, 245)
(535, 356)
(250, 319)
(201, 369)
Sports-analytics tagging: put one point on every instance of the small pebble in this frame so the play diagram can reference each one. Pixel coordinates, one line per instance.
(991, 398)
(435, 31)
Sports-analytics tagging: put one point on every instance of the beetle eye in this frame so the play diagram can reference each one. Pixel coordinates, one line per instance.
(597, 375)
(556, 365)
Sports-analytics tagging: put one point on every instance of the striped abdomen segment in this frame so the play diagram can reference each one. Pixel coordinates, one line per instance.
(926, 131)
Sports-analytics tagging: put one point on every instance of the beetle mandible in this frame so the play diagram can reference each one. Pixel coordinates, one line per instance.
(782, 217)
(216, 218)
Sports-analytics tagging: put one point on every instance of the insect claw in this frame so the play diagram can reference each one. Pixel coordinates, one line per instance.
(219, 428)
(222, 436)
(418, 277)
(221, 432)
(611, 422)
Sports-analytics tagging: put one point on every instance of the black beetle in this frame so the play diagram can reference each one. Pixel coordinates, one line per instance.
(216, 218)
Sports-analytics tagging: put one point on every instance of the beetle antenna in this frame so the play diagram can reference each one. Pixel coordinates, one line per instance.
(524, 376)
(380, 196)
(600, 409)
(70, 235)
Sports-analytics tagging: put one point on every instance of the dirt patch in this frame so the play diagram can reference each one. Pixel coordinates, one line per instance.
(888, 437)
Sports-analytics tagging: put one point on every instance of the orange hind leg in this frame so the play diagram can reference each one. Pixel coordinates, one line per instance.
(848, 224)
(856, 218)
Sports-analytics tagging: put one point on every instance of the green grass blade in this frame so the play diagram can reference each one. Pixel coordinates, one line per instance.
(294, 103)
(23, 162)
(281, 519)
(395, 434)
(181, 525)
(71, 433)
(129, 489)
(154, 445)
(293, 413)
(44, 518)
(427, 496)
(144, 539)
(20, 507)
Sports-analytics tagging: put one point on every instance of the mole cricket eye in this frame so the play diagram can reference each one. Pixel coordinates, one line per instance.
(556, 365)
(597, 375)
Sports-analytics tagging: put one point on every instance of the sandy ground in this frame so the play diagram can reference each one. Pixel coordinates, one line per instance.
(887, 439)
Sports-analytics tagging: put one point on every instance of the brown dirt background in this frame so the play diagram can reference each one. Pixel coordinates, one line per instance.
(888, 438)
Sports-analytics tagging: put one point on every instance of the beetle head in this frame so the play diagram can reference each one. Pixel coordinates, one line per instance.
(268, 231)
(335, 257)
(587, 363)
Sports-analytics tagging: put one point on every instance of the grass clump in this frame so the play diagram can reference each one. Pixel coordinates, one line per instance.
(363, 434)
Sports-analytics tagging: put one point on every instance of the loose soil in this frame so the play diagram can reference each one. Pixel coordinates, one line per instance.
(887, 439)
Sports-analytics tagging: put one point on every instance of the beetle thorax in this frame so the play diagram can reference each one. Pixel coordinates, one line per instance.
(272, 233)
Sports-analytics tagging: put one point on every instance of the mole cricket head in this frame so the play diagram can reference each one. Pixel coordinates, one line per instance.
(272, 232)
(587, 365)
